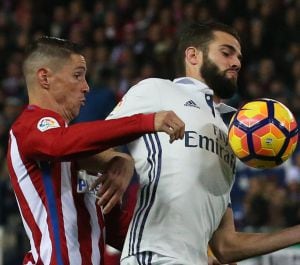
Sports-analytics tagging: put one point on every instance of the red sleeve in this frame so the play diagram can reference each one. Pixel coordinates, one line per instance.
(64, 143)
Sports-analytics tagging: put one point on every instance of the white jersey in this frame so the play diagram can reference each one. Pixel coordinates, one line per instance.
(184, 186)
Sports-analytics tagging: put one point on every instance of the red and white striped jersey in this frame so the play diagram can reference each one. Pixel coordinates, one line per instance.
(63, 226)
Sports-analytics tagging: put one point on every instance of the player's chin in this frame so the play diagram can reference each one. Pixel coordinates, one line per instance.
(232, 78)
(233, 83)
(75, 112)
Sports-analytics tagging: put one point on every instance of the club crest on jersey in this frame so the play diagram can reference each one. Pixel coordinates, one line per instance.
(47, 123)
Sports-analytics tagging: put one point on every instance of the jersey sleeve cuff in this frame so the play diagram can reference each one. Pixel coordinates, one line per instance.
(147, 122)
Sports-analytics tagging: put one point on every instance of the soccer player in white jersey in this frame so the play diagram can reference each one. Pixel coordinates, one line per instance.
(183, 202)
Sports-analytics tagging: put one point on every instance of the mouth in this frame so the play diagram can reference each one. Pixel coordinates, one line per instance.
(232, 73)
(82, 102)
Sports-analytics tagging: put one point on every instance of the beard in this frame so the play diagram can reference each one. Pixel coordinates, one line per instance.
(216, 79)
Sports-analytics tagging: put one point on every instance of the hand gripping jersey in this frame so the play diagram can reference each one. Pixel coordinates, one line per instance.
(184, 186)
(63, 226)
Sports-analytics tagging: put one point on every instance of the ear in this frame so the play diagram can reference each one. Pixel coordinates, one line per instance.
(43, 77)
(193, 56)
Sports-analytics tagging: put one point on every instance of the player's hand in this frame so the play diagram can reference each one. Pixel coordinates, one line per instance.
(114, 181)
(170, 123)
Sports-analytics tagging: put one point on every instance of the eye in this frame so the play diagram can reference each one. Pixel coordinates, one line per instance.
(78, 76)
(225, 53)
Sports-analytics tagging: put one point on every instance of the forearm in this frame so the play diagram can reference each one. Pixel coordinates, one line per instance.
(240, 246)
(97, 163)
(230, 246)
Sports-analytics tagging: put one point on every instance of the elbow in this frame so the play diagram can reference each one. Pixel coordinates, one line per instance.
(221, 256)
(224, 254)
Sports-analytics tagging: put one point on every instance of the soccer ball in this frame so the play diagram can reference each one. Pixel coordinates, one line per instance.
(263, 133)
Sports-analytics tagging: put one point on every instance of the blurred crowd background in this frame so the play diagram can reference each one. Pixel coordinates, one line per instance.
(129, 40)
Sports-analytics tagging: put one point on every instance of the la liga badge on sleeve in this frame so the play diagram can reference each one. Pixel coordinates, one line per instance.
(47, 123)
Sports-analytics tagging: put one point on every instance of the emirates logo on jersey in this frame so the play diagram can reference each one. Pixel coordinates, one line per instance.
(47, 123)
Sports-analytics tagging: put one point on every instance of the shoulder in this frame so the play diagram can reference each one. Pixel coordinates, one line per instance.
(156, 81)
(36, 118)
(152, 85)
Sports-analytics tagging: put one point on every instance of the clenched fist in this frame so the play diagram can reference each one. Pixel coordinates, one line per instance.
(170, 123)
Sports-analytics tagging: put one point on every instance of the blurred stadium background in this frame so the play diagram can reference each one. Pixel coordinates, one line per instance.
(129, 40)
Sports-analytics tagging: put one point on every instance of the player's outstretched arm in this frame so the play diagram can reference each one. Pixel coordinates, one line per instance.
(87, 138)
(231, 246)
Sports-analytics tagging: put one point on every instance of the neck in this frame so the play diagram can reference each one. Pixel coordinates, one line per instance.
(194, 74)
(200, 78)
(45, 101)
(216, 99)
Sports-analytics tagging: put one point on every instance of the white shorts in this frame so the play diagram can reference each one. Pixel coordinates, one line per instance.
(149, 258)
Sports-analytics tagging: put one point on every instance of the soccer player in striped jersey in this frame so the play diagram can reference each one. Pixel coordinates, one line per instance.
(58, 207)
(184, 197)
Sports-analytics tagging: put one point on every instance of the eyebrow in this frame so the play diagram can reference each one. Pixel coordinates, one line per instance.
(231, 48)
(81, 68)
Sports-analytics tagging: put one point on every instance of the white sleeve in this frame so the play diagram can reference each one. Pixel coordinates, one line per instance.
(141, 98)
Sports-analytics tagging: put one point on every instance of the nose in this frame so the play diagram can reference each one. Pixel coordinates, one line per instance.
(235, 64)
(86, 87)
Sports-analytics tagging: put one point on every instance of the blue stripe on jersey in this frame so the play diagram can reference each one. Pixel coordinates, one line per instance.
(46, 173)
(150, 258)
(148, 192)
(144, 197)
(139, 259)
(155, 181)
(144, 258)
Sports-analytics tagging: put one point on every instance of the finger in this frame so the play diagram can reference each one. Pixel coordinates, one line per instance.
(179, 131)
(171, 140)
(106, 185)
(101, 178)
(175, 123)
(182, 130)
(175, 132)
(171, 133)
(109, 201)
(110, 204)
(107, 195)
(179, 127)
(167, 129)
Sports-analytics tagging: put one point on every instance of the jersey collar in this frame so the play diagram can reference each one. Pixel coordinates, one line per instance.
(194, 82)
(221, 107)
(224, 108)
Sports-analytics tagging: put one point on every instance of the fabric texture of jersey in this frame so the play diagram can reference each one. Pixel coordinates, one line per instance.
(63, 226)
(184, 186)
